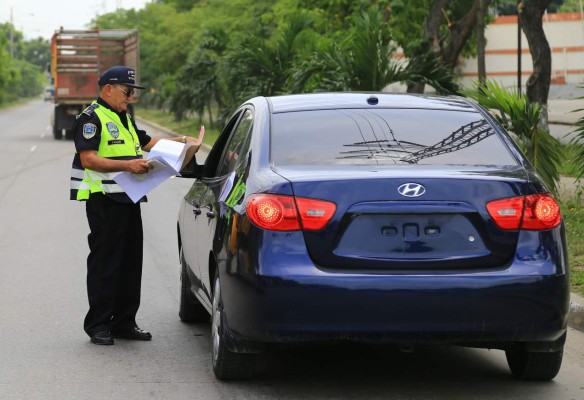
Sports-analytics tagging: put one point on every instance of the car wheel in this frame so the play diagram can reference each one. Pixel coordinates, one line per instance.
(190, 310)
(226, 364)
(534, 366)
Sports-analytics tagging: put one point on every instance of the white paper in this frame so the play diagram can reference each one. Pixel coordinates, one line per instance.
(166, 157)
(172, 152)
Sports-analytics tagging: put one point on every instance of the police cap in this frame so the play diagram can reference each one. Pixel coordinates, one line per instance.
(119, 74)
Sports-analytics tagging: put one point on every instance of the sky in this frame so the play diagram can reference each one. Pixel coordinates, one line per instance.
(36, 18)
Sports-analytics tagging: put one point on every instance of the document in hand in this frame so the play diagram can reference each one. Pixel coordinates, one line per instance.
(167, 157)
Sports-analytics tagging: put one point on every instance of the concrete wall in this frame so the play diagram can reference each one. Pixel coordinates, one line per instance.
(565, 34)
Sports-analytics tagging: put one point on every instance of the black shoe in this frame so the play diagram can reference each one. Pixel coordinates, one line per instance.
(134, 333)
(102, 338)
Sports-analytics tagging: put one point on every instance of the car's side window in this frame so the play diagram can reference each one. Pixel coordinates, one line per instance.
(237, 146)
(212, 161)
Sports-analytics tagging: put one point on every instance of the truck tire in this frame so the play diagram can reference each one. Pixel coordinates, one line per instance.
(57, 133)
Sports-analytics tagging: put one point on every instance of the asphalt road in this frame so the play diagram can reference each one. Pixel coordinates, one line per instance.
(45, 355)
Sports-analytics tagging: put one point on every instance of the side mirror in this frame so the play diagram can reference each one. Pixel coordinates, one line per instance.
(193, 170)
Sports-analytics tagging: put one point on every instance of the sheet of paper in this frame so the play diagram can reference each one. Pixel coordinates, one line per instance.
(167, 159)
(139, 185)
(172, 152)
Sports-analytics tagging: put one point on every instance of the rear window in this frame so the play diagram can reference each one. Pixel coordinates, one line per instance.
(386, 136)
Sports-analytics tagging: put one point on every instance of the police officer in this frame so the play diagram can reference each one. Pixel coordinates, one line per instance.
(108, 141)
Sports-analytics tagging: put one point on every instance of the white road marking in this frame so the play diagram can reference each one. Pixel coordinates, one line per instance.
(33, 148)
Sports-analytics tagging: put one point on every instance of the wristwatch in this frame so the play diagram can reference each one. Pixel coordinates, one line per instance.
(184, 139)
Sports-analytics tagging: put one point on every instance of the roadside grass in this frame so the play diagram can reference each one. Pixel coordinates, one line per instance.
(186, 126)
(570, 202)
(16, 103)
(573, 214)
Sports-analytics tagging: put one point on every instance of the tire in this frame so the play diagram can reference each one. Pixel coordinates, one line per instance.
(533, 366)
(190, 309)
(226, 364)
(57, 133)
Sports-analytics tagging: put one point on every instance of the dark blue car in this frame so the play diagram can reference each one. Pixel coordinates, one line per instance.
(374, 218)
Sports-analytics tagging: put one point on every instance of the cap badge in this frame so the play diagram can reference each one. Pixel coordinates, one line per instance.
(132, 75)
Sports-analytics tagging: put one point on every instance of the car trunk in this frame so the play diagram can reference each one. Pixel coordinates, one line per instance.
(377, 228)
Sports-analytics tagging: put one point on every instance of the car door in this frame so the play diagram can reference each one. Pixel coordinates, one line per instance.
(214, 212)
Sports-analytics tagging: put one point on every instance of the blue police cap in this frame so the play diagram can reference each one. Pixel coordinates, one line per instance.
(119, 74)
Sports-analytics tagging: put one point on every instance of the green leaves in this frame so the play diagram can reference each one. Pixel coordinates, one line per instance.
(521, 117)
(364, 61)
(579, 142)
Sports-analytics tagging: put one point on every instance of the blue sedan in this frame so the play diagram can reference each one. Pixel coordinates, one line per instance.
(375, 218)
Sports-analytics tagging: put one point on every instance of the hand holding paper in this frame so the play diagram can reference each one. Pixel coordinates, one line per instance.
(165, 159)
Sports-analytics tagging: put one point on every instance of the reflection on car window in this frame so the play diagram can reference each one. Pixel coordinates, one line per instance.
(237, 147)
(386, 136)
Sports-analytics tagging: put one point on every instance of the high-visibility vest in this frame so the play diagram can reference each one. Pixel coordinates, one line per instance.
(117, 143)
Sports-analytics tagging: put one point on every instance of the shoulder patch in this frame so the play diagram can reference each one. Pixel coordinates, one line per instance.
(89, 110)
(89, 131)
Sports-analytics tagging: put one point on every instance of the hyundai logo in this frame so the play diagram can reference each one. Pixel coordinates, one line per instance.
(411, 190)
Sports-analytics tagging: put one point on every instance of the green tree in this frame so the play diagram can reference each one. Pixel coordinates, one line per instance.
(198, 82)
(254, 66)
(21, 75)
(364, 61)
(37, 52)
(569, 6)
(5, 72)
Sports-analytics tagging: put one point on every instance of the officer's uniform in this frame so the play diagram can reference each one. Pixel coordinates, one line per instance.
(114, 264)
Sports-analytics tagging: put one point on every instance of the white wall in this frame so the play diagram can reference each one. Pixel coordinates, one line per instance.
(565, 34)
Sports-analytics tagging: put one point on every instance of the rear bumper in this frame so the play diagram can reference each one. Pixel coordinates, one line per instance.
(380, 308)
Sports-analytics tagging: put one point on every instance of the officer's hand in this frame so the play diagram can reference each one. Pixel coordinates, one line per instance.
(139, 166)
(199, 140)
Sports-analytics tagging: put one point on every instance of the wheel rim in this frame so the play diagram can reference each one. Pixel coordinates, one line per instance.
(216, 325)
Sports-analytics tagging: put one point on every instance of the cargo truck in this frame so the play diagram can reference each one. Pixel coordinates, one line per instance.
(78, 57)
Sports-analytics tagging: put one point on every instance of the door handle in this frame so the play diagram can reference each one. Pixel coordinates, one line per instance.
(210, 214)
(197, 211)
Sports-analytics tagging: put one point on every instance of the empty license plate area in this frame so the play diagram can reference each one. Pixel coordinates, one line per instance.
(408, 236)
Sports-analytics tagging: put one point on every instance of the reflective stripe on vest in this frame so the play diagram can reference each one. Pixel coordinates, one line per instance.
(116, 142)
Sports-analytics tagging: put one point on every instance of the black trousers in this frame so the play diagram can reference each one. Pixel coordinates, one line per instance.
(114, 264)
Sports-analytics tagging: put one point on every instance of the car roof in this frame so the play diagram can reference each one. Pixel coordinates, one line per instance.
(327, 101)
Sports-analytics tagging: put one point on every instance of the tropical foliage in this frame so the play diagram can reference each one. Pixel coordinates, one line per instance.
(522, 118)
(578, 141)
(21, 75)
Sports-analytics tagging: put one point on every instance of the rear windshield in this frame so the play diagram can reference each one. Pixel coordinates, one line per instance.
(386, 136)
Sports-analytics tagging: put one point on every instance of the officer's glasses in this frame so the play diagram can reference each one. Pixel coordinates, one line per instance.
(128, 93)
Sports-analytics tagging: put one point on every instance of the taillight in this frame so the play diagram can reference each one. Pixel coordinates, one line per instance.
(314, 214)
(534, 212)
(287, 213)
(541, 212)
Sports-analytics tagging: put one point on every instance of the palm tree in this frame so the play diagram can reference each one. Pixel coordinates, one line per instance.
(364, 62)
(198, 86)
(521, 117)
(255, 66)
